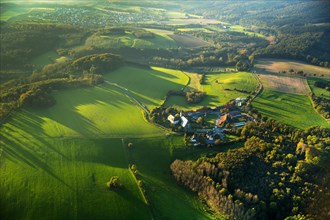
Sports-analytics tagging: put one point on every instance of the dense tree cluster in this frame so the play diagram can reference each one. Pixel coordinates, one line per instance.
(278, 173)
(322, 105)
(21, 42)
(323, 85)
(195, 97)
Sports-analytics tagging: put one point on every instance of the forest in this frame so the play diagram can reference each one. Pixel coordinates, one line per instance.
(280, 172)
(301, 30)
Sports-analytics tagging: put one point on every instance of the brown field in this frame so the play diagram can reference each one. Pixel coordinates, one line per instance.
(184, 21)
(277, 65)
(189, 41)
(283, 83)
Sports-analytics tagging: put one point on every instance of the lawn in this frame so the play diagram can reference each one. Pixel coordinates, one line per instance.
(101, 111)
(169, 199)
(45, 58)
(316, 90)
(292, 109)
(149, 85)
(127, 40)
(238, 28)
(55, 162)
(47, 178)
(220, 88)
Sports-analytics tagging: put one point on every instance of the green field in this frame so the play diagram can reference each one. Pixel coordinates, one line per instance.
(149, 85)
(292, 109)
(101, 111)
(55, 162)
(161, 186)
(45, 58)
(316, 90)
(127, 40)
(46, 178)
(239, 28)
(219, 88)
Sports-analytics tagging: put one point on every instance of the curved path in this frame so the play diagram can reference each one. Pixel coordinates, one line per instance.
(128, 93)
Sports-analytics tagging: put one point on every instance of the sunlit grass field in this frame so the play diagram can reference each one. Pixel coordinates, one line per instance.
(149, 85)
(292, 109)
(102, 111)
(46, 178)
(220, 88)
(55, 162)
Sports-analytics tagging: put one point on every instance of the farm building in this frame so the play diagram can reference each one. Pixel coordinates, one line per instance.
(239, 124)
(174, 120)
(222, 120)
(184, 121)
(235, 114)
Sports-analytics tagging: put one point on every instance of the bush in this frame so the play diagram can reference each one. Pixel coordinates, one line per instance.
(113, 182)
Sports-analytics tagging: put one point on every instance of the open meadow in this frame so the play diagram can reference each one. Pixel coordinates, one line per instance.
(149, 85)
(277, 65)
(101, 111)
(219, 88)
(292, 109)
(128, 39)
(47, 178)
(55, 162)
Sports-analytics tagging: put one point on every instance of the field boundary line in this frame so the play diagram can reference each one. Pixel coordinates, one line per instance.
(260, 87)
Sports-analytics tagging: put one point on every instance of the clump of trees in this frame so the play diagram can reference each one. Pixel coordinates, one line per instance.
(114, 183)
(322, 85)
(278, 173)
(36, 97)
(322, 105)
(195, 97)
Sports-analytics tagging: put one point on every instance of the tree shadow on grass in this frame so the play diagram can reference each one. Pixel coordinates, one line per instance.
(16, 151)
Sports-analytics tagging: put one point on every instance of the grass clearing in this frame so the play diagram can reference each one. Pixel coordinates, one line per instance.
(239, 28)
(45, 58)
(149, 86)
(194, 84)
(195, 29)
(127, 40)
(189, 41)
(219, 88)
(284, 83)
(316, 90)
(46, 178)
(292, 109)
(277, 65)
(101, 111)
(169, 200)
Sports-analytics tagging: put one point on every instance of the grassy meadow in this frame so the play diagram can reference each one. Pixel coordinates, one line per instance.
(316, 90)
(292, 109)
(44, 59)
(46, 178)
(101, 111)
(164, 192)
(55, 162)
(219, 88)
(149, 86)
(127, 40)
